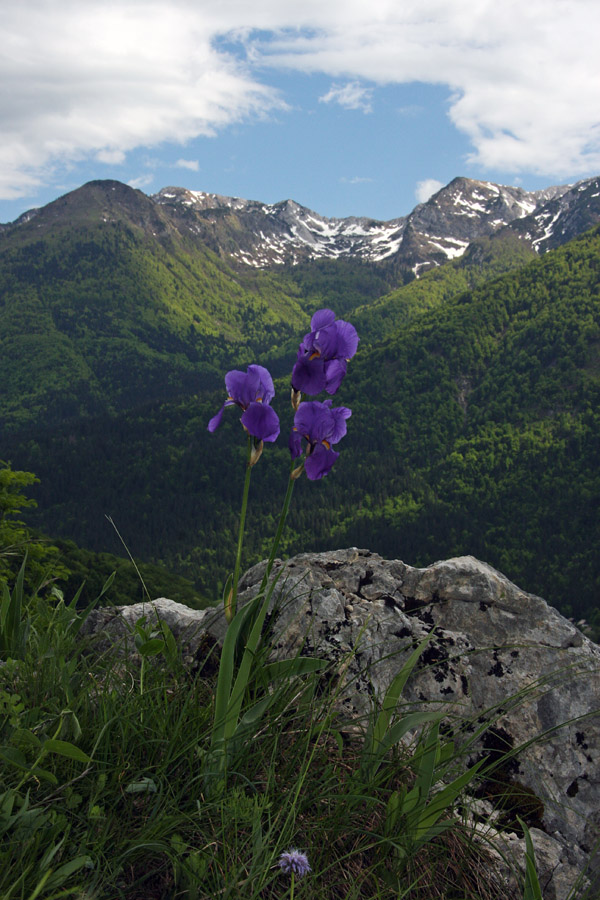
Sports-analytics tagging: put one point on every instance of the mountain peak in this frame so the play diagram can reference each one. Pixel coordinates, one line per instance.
(95, 202)
(262, 235)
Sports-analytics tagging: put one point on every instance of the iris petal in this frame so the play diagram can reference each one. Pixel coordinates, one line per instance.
(240, 387)
(261, 421)
(245, 387)
(335, 369)
(322, 318)
(216, 420)
(265, 386)
(314, 421)
(347, 339)
(308, 375)
(339, 415)
(326, 342)
(320, 462)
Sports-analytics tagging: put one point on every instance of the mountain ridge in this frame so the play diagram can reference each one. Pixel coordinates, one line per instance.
(439, 229)
(253, 234)
(121, 295)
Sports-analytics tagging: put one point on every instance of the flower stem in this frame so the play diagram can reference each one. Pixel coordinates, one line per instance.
(231, 601)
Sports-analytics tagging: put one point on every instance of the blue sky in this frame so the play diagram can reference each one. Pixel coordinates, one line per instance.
(349, 107)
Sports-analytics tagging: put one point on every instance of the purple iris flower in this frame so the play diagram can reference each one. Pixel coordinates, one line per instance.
(323, 354)
(252, 391)
(321, 427)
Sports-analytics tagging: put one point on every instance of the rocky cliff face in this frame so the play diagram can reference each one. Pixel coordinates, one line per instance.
(262, 235)
(497, 655)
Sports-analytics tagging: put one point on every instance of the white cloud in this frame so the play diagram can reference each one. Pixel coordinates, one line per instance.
(97, 79)
(350, 96)
(111, 157)
(522, 77)
(427, 188)
(192, 164)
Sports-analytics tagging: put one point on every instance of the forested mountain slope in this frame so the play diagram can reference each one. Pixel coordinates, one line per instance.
(485, 258)
(475, 429)
(488, 441)
(104, 306)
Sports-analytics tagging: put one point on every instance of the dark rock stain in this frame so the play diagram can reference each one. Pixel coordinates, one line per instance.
(411, 604)
(365, 579)
(426, 616)
(403, 633)
(497, 670)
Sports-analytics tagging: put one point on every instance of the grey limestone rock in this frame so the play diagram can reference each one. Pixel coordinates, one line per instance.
(494, 647)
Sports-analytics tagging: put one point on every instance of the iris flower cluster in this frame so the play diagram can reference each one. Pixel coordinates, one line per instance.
(323, 355)
(320, 366)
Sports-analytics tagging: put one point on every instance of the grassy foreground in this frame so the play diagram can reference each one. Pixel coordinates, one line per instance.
(113, 785)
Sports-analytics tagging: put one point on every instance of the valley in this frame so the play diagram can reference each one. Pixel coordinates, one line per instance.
(475, 426)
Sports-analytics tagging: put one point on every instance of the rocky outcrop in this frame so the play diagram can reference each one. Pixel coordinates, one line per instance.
(496, 652)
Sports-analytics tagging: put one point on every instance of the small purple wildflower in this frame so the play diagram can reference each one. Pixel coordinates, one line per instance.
(321, 427)
(323, 354)
(294, 862)
(252, 391)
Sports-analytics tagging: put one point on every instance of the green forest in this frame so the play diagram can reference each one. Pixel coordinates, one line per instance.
(475, 425)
